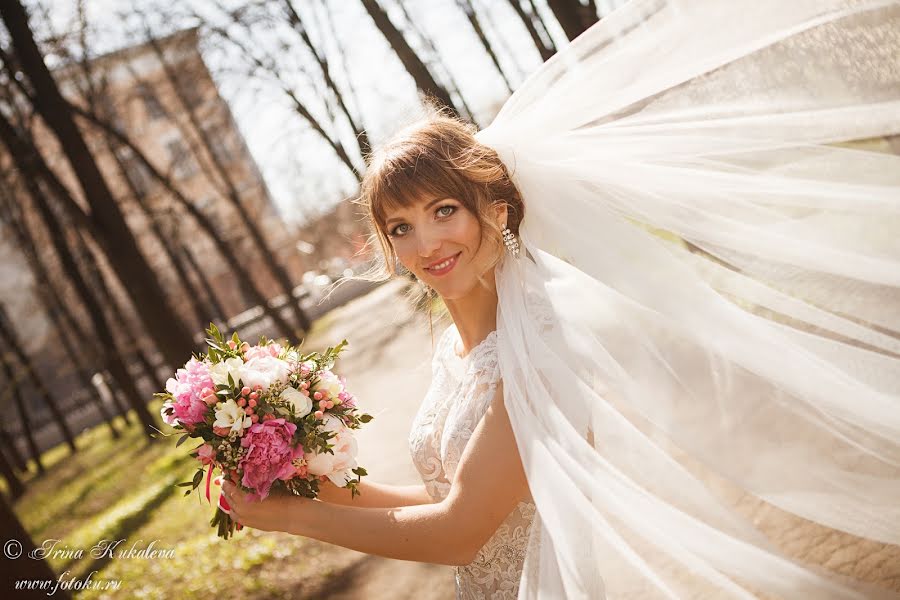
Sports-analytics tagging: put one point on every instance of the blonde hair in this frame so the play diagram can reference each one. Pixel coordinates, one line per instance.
(437, 156)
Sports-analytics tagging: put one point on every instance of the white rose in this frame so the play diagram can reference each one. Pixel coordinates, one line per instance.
(264, 371)
(231, 416)
(230, 366)
(301, 403)
(338, 467)
(329, 382)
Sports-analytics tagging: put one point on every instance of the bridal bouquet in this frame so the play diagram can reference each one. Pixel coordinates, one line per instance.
(270, 418)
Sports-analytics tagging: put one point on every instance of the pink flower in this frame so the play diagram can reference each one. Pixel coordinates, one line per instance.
(272, 349)
(206, 454)
(187, 389)
(269, 455)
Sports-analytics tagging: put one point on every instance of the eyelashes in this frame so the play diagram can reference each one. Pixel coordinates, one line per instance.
(448, 210)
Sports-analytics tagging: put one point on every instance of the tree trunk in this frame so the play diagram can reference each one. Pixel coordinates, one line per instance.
(130, 340)
(469, 9)
(545, 51)
(11, 340)
(191, 293)
(7, 442)
(55, 308)
(434, 60)
(413, 64)
(362, 137)
(16, 489)
(244, 281)
(163, 324)
(19, 152)
(80, 368)
(256, 234)
(13, 383)
(26, 568)
(573, 17)
(214, 302)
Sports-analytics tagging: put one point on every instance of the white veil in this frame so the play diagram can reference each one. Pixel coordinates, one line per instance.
(659, 390)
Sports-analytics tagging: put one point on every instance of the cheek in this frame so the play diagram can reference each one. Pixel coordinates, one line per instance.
(406, 252)
(466, 231)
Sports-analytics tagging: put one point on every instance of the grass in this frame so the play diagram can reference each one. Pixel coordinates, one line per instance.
(125, 490)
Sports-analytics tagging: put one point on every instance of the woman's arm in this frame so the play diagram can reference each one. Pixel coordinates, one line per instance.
(488, 485)
(375, 495)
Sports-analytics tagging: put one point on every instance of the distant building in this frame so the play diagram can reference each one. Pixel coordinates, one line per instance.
(159, 104)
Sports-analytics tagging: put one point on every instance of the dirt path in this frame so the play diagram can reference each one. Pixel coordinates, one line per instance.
(388, 367)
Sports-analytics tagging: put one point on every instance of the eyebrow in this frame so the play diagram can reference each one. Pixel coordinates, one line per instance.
(427, 206)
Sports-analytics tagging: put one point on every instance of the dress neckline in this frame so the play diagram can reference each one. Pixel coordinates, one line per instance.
(473, 350)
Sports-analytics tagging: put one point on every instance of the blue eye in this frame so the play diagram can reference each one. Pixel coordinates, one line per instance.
(449, 207)
(396, 230)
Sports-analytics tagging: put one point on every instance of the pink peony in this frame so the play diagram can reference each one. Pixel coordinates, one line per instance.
(269, 455)
(187, 388)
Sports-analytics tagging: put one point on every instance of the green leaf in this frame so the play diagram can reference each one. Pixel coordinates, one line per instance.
(365, 418)
(182, 439)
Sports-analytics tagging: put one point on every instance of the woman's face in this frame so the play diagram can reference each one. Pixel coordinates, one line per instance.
(438, 240)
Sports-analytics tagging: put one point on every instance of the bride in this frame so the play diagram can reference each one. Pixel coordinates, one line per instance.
(674, 278)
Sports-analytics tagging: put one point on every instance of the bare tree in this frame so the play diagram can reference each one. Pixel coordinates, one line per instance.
(297, 24)
(242, 276)
(31, 166)
(11, 340)
(220, 173)
(546, 49)
(436, 64)
(163, 323)
(472, 15)
(261, 62)
(574, 17)
(45, 290)
(95, 104)
(14, 388)
(411, 61)
(16, 488)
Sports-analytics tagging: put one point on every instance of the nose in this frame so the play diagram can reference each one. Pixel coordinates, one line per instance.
(428, 242)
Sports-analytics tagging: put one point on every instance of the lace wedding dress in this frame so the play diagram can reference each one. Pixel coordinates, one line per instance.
(460, 393)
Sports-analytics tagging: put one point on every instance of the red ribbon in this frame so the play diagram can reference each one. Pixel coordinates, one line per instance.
(208, 480)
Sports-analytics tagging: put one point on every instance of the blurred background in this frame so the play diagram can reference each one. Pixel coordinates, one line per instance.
(164, 165)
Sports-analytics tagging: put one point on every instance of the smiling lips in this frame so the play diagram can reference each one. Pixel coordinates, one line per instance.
(443, 266)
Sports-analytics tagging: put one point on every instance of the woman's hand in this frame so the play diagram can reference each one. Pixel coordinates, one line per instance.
(275, 513)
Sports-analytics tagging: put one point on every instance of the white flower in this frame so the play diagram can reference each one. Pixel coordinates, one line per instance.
(338, 467)
(264, 371)
(302, 404)
(329, 382)
(231, 416)
(230, 366)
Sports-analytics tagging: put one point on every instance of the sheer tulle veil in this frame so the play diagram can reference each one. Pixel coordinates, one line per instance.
(705, 316)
